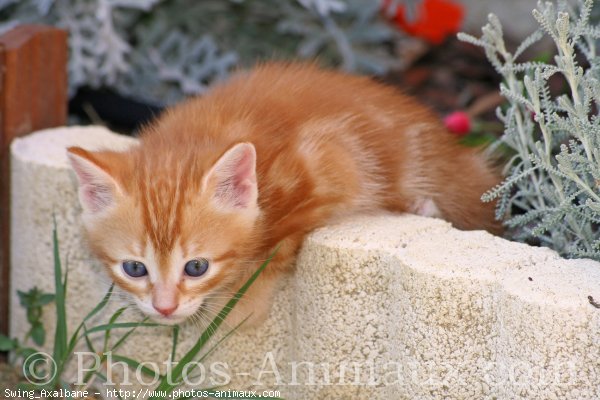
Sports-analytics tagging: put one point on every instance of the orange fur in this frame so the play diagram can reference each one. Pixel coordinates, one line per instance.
(327, 145)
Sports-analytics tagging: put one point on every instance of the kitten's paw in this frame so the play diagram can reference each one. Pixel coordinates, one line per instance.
(426, 207)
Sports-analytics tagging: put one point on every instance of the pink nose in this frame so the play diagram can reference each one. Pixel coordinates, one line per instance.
(165, 310)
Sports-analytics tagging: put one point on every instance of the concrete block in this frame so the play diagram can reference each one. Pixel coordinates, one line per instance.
(380, 307)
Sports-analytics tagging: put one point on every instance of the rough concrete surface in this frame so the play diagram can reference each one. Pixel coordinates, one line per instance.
(380, 307)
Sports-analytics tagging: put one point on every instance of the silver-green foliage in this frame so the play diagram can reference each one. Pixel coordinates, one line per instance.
(163, 50)
(551, 191)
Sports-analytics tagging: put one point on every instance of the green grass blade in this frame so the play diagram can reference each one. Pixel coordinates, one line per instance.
(123, 338)
(100, 305)
(165, 385)
(111, 321)
(214, 347)
(121, 325)
(101, 376)
(118, 344)
(174, 345)
(91, 348)
(60, 335)
(75, 337)
(66, 278)
(88, 342)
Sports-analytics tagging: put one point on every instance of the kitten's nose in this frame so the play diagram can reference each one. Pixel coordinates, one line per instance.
(165, 310)
(165, 298)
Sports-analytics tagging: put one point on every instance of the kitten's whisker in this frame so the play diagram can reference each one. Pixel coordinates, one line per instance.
(228, 328)
(210, 311)
(207, 322)
(228, 295)
(195, 319)
(227, 298)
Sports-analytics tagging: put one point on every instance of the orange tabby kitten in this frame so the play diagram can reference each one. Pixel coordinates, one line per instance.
(184, 218)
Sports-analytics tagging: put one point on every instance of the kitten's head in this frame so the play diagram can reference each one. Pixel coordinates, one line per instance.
(169, 230)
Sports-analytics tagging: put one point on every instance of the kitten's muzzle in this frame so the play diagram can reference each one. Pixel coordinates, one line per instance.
(166, 310)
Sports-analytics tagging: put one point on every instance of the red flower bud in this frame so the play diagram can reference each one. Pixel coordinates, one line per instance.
(434, 20)
(458, 123)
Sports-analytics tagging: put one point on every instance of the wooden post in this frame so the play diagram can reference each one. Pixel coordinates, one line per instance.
(33, 95)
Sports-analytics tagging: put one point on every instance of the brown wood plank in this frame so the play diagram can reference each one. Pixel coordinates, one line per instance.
(33, 95)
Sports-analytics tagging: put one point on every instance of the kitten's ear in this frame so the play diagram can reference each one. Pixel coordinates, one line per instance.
(97, 188)
(233, 178)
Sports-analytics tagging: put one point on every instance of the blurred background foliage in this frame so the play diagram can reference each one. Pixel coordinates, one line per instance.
(131, 58)
(159, 51)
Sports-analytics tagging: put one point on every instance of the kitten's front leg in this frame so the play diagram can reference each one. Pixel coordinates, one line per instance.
(255, 304)
(257, 301)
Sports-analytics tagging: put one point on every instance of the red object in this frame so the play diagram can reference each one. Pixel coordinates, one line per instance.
(433, 21)
(458, 123)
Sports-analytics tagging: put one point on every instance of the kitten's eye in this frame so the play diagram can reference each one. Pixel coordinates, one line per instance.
(196, 267)
(134, 269)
